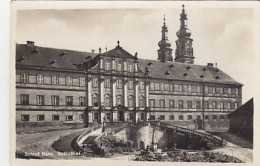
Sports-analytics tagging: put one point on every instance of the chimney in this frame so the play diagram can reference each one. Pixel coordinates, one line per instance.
(30, 43)
(210, 65)
(93, 51)
(99, 50)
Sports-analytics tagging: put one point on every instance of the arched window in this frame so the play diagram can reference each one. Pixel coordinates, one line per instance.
(141, 102)
(107, 100)
(95, 100)
(131, 101)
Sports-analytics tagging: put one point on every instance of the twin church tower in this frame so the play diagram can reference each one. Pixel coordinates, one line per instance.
(184, 50)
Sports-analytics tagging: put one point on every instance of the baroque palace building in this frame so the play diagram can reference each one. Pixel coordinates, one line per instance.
(71, 87)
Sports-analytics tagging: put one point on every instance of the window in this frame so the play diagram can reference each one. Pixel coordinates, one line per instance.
(167, 87)
(107, 66)
(180, 88)
(193, 88)
(185, 88)
(130, 85)
(221, 105)
(119, 100)
(206, 104)
(198, 89)
(142, 116)
(236, 105)
(222, 117)
(176, 88)
(69, 118)
(162, 86)
(39, 79)
(180, 103)
(151, 86)
(162, 117)
(40, 117)
(82, 81)
(214, 105)
(107, 101)
(131, 101)
(171, 87)
(82, 101)
(213, 90)
(171, 103)
(54, 80)
(152, 103)
(189, 104)
(55, 117)
(95, 100)
(229, 91)
(152, 117)
(107, 83)
(25, 118)
(214, 117)
(69, 100)
(95, 116)
(130, 68)
(198, 104)
(142, 102)
(119, 83)
(189, 88)
(218, 90)
(24, 78)
(180, 117)
(210, 89)
(25, 99)
(225, 90)
(189, 117)
(156, 86)
(229, 105)
(40, 100)
(236, 91)
(206, 117)
(141, 85)
(55, 100)
(171, 117)
(108, 116)
(162, 103)
(95, 82)
(119, 67)
(68, 80)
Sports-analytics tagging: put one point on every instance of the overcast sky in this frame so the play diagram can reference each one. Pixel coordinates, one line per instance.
(223, 36)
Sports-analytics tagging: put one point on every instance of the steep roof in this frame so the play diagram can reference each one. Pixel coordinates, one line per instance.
(49, 57)
(73, 60)
(184, 71)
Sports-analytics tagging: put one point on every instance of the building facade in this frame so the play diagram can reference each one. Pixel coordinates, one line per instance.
(65, 86)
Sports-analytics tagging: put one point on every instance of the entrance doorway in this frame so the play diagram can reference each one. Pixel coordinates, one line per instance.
(120, 116)
(199, 122)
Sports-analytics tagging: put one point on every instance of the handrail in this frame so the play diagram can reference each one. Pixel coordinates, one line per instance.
(186, 130)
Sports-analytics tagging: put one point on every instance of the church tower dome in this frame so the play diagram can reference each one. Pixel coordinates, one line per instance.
(184, 50)
(165, 51)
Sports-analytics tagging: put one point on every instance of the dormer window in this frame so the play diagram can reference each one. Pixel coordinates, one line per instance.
(36, 51)
(150, 63)
(107, 66)
(22, 59)
(217, 77)
(63, 53)
(130, 68)
(53, 62)
(167, 73)
(217, 70)
(188, 67)
(171, 65)
(204, 69)
(202, 76)
(185, 74)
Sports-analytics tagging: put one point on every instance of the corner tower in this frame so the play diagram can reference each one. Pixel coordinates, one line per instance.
(165, 51)
(184, 50)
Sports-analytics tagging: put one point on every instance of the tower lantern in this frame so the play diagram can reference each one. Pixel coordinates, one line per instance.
(165, 51)
(184, 50)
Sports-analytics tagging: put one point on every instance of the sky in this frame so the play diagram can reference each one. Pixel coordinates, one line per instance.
(220, 35)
